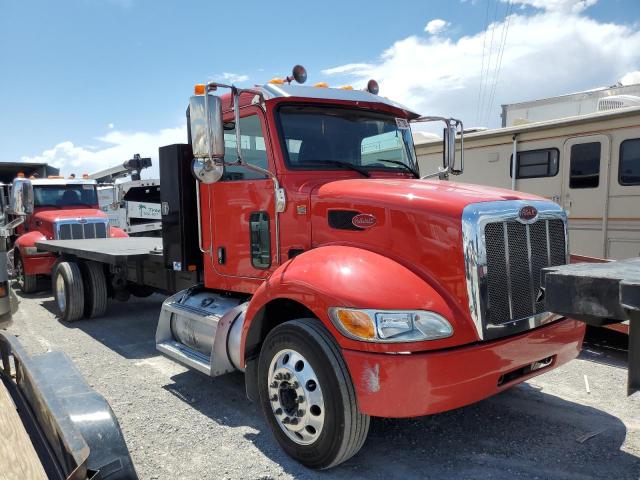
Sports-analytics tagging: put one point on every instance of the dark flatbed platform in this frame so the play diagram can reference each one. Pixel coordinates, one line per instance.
(113, 251)
(597, 294)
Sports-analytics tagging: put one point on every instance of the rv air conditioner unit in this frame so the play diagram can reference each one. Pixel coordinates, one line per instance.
(618, 101)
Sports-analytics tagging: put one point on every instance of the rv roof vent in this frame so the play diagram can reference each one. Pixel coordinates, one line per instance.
(618, 101)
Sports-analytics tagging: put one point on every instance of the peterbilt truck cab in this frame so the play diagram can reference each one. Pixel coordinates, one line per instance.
(61, 209)
(342, 281)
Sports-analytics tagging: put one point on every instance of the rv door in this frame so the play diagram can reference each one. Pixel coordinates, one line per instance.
(585, 189)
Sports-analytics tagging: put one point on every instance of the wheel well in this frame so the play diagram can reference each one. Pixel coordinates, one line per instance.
(270, 316)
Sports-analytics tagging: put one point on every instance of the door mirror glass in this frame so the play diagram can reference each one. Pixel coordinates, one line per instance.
(21, 202)
(207, 128)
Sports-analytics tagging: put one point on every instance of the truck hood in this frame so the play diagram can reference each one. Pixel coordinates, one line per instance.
(68, 214)
(414, 222)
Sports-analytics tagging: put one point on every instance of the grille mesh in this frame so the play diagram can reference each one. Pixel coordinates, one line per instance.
(516, 253)
(69, 231)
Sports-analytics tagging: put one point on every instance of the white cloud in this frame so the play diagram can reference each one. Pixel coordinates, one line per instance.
(115, 147)
(547, 52)
(436, 26)
(567, 6)
(231, 77)
(630, 78)
(110, 126)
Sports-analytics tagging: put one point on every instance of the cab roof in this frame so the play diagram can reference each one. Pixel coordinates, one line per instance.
(62, 181)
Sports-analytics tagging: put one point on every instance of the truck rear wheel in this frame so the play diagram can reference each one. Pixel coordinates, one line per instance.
(307, 395)
(69, 291)
(95, 289)
(28, 283)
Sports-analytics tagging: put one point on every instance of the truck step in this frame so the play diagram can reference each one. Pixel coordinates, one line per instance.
(185, 355)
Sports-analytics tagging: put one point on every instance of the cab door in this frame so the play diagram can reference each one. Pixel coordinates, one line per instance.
(585, 183)
(242, 204)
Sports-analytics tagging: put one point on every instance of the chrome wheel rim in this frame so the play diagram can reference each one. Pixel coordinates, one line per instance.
(60, 293)
(296, 397)
(20, 272)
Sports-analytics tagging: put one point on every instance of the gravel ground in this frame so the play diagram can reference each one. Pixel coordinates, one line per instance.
(179, 423)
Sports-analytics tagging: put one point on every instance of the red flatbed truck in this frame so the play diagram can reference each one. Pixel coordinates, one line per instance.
(343, 284)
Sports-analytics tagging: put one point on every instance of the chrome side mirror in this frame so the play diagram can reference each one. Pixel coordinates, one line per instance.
(21, 201)
(452, 128)
(207, 137)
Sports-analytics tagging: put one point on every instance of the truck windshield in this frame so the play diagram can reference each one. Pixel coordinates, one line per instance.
(316, 137)
(64, 195)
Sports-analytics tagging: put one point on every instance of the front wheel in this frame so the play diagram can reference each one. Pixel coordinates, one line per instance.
(69, 291)
(307, 395)
(27, 283)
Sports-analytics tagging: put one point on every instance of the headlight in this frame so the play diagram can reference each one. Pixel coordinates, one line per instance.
(390, 325)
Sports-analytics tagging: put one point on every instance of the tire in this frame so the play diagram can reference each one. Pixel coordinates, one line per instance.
(320, 377)
(68, 291)
(95, 289)
(28, 283)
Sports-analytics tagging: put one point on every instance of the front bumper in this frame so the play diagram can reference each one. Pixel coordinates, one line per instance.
(415, 384)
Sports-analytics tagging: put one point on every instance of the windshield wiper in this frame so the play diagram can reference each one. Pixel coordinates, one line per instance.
(402, 164)
(338, 163)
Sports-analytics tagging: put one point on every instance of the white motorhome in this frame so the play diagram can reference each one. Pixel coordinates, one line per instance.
(589, 164)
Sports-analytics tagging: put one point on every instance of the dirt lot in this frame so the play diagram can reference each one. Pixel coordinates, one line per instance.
(181, 424)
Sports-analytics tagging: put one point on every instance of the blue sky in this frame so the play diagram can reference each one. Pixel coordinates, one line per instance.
(92, 75)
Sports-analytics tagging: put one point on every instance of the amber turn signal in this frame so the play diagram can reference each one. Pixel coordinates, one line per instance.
(199, 89)
(357, 323)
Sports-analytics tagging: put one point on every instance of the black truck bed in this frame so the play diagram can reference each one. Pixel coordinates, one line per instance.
(138, 260)
(113, 251)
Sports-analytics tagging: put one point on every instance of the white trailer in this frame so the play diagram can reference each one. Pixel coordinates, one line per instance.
(589, 164)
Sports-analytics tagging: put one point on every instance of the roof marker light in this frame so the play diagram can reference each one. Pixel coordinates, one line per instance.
(321, 85)
(199, 89)
(372, 87)
(276, 81)
(346, 87)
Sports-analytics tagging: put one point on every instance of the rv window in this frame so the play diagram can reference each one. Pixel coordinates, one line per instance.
(629, 168)
(585, 165)
(536, 163)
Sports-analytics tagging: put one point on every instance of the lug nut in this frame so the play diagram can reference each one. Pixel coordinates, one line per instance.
(274, 398)
(295, 385)
(294, 421)
(278, 411)
(300, 399)
(274, 385)
(278, 376)
(287, 376)
(286, 420)
(300, 413)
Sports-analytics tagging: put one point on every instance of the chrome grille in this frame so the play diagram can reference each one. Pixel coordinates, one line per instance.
(504, 256)
(516, 253)
(75, 230)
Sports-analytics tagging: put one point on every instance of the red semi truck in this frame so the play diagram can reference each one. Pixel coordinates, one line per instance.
(61, 209)
(323, 266)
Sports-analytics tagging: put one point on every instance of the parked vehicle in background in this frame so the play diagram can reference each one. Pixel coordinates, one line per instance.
(589, 165)
(61, 209)
(134, 205)
(340, 283)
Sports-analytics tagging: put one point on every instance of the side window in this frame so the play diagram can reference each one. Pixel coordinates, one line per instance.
(585, 165)
(536, 163)
(253, 147)
(629, 168)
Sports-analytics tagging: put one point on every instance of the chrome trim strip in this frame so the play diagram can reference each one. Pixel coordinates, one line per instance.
(474, 218)
(533, 294)
(507, 261)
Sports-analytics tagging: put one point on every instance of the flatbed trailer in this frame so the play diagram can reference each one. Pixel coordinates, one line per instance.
(133, 265)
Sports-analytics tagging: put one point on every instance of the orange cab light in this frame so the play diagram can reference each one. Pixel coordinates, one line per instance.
(346, 87)
(277, 81)
(321, 85)
(199, 89)
(357, 323)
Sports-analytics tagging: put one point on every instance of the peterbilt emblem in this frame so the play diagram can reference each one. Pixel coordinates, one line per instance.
(528, 213)
(364, 220)
(82, 220)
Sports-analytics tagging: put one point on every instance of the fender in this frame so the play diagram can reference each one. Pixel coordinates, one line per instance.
(117, 232)
(29, 240)
(339, 275)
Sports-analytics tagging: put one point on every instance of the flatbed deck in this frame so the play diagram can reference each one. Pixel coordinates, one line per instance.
(113, 251)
